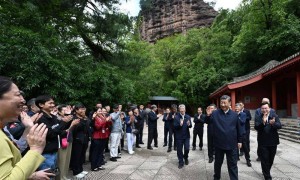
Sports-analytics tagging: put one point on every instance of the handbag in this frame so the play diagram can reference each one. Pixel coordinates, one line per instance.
(64, 142)
(134, 130)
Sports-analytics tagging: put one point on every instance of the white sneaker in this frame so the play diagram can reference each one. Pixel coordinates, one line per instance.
(79, 176)
(84, 172)
(132, 152)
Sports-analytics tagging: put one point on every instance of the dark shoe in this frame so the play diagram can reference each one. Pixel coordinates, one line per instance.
(258, 159)
(169, 149)
(107, 150)
(164, 145)
(142, 143)
(194, 148)
(200, 149)
(138, 147)
(180, 166)
(241, 153)
(113, 159)
(118, 157)
(175, 148)
(156, 146)
(186, 162)
(210, 160)
(150, 148)
(249, 164)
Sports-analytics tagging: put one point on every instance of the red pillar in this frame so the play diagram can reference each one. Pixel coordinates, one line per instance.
(288, 101)
(298, 93)
(233, 99)
(273, 103)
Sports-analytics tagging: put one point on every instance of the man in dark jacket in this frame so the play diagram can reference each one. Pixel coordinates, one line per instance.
(267, 125)
(182, 123)
(242, 118)
(152, 127)
(227, 137)
(55, 130)
(198, 128)
(247, 126)
(210, 138)
(168, 129)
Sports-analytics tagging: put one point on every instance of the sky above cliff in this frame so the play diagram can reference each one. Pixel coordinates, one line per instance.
(132, 7)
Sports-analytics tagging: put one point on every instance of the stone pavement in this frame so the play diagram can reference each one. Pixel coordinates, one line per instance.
(158, 164)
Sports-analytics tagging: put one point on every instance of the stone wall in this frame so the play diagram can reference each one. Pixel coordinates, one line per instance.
(166, 17)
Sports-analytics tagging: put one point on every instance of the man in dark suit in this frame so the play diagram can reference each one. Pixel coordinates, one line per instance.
(210, 138)
(256, 117)
(247, 126)
(182, 123)
(152, 127)
(168, 129)
(198, 128)
(267, 125)
(143, 115)
(227, 137)
(242, 118)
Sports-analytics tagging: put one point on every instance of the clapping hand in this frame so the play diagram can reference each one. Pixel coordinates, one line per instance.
(67, 118)
(272, 121)
(26, 120)
(36, 137)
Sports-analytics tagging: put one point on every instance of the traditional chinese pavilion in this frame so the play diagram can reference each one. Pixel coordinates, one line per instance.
(278, 81)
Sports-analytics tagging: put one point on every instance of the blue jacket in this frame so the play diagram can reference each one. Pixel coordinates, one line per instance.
(182, 132)
(226, 129)
(242, 118)
(152, 120)
(169, 122)
(128, 124)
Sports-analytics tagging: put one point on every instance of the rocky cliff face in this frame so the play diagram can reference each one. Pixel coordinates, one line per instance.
(163, 18)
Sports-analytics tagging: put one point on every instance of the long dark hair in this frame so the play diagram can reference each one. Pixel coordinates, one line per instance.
(5, 85)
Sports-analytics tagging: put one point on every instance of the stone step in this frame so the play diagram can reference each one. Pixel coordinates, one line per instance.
(290, 139)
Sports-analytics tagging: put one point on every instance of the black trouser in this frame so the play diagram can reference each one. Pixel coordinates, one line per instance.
(97, 153)
(210, 145)
(245, 148)
(267, 155)
(152, 134)
(247, 140)
(141, 131)
(122, 141)
(106, 144)
(77, 156)
(137, 139)
(231, 157)
(199, 133)
(168, 131)
(183, 143)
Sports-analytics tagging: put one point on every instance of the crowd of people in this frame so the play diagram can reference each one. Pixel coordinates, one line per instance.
(58, 137)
